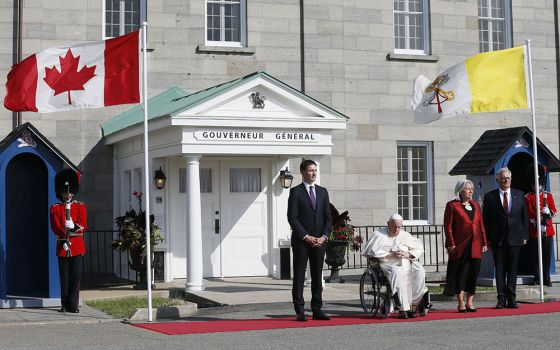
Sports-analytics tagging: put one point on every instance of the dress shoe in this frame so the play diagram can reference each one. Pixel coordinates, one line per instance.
(471, 309)
(301, 317)
(548, 284)
(74, 310)
(62, 309)
(403, 314)
(512, 304)
(411, 314)
(461, 311)
(501, 304)
(321, 316)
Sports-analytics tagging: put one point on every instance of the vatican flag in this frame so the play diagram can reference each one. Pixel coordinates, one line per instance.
(487, 82)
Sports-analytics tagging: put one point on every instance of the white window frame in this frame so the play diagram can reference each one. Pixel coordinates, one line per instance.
(425, 29)
(121, 19)
(429, 182)
(242, 26)
(489, 20)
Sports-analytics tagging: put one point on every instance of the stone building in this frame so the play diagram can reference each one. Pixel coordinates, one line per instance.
(356, 57)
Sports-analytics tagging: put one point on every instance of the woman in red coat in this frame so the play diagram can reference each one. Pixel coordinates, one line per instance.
(465, 240)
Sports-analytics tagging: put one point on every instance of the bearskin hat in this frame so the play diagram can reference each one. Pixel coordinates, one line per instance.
(66, 180)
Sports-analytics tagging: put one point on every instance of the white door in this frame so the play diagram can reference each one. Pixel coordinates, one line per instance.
(234, 218)
(244, 221)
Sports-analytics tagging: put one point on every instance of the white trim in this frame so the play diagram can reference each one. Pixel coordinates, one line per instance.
(242, 28)
(425, 30)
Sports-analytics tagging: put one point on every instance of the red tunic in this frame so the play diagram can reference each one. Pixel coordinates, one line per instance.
(531, 202)
(78, 214)
(459, 229)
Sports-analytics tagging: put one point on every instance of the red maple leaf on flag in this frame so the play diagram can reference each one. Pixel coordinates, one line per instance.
(69, 78)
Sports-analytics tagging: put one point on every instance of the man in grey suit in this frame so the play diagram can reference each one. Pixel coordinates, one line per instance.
(309, 216)
(507, 230)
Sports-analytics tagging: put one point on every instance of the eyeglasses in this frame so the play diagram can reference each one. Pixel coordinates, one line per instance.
(505, 178)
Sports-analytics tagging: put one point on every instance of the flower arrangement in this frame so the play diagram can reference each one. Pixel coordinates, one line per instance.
(344, 232)
(132, 228)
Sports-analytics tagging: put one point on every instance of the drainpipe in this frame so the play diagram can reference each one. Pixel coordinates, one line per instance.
(301, 46)
(557, 52)
(17, 48)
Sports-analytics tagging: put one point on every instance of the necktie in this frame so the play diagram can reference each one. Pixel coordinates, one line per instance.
(312, 196)
(506, 204)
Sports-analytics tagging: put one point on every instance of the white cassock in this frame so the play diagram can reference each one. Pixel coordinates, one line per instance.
(406, 276)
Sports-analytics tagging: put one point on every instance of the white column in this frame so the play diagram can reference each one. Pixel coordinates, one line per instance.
(194, 226)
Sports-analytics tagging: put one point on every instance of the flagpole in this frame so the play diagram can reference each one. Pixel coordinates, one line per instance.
(146, 168)
(535, 165)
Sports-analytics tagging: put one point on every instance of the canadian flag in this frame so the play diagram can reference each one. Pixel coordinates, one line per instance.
(90, 75)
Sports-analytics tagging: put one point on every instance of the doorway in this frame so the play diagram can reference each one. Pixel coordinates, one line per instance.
(27, 230)
(234, 210)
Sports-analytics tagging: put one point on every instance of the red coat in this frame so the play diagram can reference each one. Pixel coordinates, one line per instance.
(78, 214)
(459, 229)
(531, 202)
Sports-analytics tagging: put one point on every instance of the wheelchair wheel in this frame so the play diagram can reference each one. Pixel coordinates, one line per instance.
(384, 296)
(369, 293)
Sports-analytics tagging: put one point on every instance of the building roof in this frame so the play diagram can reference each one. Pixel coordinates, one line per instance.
(175, 100)
(17, 133)
(492, 145)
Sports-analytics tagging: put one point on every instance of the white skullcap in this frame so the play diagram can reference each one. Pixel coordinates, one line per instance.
(395, 216)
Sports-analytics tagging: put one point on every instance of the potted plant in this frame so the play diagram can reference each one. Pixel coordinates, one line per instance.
(132, 238)
(342, 237)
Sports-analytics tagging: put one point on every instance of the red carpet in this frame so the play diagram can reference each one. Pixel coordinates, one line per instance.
(197, 327)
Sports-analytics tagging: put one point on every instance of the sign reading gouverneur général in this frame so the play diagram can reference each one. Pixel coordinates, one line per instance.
(255, 136)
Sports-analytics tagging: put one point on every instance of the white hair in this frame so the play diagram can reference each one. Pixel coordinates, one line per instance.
(395, 216)
(502, 170)
(461, 184)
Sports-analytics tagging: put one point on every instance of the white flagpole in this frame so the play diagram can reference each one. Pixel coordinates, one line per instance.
(535, 164)
(146, 167)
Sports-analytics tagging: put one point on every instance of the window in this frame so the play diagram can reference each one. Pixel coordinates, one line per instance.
(415, 181)
(121, 17)
(412, 34)
(205, 177)
(245, 180)
(225, 23)
(494, 25)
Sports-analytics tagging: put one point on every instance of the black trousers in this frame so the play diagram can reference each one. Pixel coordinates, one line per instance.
(316, 257)
(506, 259)
(546, 256)
(69, 271)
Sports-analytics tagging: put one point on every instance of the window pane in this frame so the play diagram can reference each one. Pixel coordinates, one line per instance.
(131, 12)
(412, 182)
(205, 180)
(245, 180)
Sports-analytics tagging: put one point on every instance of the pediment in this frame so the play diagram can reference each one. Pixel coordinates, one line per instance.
(280, 103)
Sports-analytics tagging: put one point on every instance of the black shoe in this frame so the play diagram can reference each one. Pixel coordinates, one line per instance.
(321, 316)
(470, 310)
(74, 310)
(501, 304)
(301, 317)
(411, 314)
(62, 309)
(403, 314)
(512, 304)
(461, 311)
(548, 284)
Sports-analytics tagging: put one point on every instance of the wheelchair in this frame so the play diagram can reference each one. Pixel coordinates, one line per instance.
(375, 290)
(376, 295)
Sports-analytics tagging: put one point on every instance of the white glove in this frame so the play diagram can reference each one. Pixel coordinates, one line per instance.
(65, 246)
(69, 224)
(545, 211)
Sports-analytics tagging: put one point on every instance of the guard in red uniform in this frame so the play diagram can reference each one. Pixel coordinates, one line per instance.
(69, 222)
(548, 210)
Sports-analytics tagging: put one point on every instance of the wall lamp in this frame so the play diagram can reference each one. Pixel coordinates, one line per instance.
(160, 179)
(286, 178)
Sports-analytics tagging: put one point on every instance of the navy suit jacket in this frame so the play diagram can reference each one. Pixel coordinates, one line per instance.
(498, 224)
(303, 219)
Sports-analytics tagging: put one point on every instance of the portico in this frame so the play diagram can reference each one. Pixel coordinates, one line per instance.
(223, 210)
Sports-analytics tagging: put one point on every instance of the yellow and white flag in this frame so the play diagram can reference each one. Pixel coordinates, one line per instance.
(487, 82)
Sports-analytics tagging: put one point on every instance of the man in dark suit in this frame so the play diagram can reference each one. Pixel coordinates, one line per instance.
(309, 216)
(507, 230)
